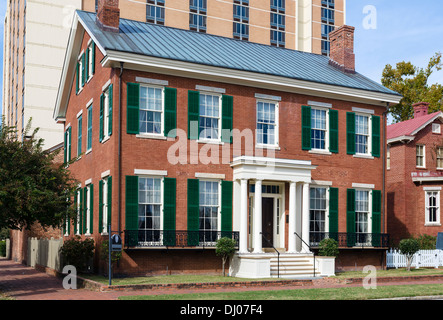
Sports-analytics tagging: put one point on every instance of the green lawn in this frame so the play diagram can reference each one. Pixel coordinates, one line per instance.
(346, 293)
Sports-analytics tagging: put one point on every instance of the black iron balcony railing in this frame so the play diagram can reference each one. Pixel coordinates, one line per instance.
(349, 240)
(176, 239)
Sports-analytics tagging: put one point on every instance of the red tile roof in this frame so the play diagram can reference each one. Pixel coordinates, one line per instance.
(406, 128)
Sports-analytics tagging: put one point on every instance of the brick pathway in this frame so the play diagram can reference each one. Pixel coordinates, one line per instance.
(26, 283)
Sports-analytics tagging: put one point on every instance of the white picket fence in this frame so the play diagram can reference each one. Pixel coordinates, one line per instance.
(422, 259)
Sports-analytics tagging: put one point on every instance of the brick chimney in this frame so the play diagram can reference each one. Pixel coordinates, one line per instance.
(341, 53)
(420, 109)
(108, 15)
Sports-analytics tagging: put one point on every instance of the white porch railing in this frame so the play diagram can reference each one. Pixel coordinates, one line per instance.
(423, 258)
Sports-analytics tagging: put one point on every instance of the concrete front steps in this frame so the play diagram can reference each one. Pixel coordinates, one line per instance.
(293, 265)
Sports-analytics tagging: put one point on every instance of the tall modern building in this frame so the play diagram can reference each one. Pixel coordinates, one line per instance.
(37, 31)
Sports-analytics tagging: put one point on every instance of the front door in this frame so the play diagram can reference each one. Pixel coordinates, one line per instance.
(268, 221)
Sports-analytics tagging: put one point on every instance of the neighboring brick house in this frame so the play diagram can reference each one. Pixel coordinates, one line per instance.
(415, 174)
(305, 160)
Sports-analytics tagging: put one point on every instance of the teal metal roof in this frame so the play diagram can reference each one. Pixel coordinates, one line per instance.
(189, 46)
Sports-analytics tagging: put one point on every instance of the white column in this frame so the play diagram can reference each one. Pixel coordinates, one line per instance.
(292, 217)
(258, 218)
(244, 216)
(305, 218)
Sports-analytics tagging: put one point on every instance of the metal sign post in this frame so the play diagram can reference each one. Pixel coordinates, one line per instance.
(115, 244)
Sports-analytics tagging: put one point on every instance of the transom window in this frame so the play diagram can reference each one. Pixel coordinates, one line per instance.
(209, 210)
(318, 129)
(362, 215)
(149, 209)
(420, 156)
(361, 134)
(151, 110)
(267, 123)
(432, 206)
(209, 121)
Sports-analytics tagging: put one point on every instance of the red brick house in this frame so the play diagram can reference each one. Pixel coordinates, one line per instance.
(415, 174)
(181, 138)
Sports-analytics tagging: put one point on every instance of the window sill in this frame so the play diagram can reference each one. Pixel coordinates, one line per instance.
(210, 142)
(106, 139)
(80, 90)
(363, 156)
(265, 146)
(151, 136)
(88, 151)
(319, 151)
(432, 224)
(422, 168)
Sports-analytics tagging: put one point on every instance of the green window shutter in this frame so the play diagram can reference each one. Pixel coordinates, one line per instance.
(102, 115)
(133, 107)
(79, 136)
(169, 205)
(376, 218)
(131, 219)
(65, 148)
(170, 111)
(226, 208)
(350, 132)
(100, 206)
(87, 64)
(193, 211)
(193, 114)
(91, 208)
(306, 127)
(85, 209)
(111, 103)
(350, 217)
(80, 214)
(93, 58)
(76, 211)
(227, 118)
(333, 131)
(376, 136)
(83, 71)
(333, 213)
(77, 79)
(110, 199)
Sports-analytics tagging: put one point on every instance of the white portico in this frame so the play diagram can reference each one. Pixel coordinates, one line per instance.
(260, 187)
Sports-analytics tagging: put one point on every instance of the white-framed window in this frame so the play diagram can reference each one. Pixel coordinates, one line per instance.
(151, 110)
(363, 215)
(436, 128)
(267, 123)
(439, 157)
(432, 207)
(318, 211)
(150, 222)
(362, 134)
(420, 156)
(105, 199)
(79, 211)
(90, 60)
(89, 129)
(106, 113)
(87, 199)
(81, 72)
(210, 117)
(319, 129)
(209, 211)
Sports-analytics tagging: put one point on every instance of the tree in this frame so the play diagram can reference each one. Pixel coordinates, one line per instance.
(225, 248)
(412, 83)
(33, 188)
(409, 247)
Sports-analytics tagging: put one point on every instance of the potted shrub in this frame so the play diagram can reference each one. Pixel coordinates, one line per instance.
(328, 251)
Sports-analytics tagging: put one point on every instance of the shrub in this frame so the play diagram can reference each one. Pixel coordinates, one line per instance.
(409, 247)
(3, 248)
(328, 248)
(225, 248)
(427, 242)
(104, 254)
(77, 252)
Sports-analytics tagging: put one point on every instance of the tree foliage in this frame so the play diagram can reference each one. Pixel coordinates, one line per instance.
(409, 247)
(225, 248)
(412, 83)
(32, 187)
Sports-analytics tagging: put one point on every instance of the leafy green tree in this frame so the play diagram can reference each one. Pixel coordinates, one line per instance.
(33, 188)
(225, 248)
(412, 83)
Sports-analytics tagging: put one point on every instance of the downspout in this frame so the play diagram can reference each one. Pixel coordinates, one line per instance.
(384, 166)
(120, 147)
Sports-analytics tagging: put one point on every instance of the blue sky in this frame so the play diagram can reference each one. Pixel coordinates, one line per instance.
(405, 30)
